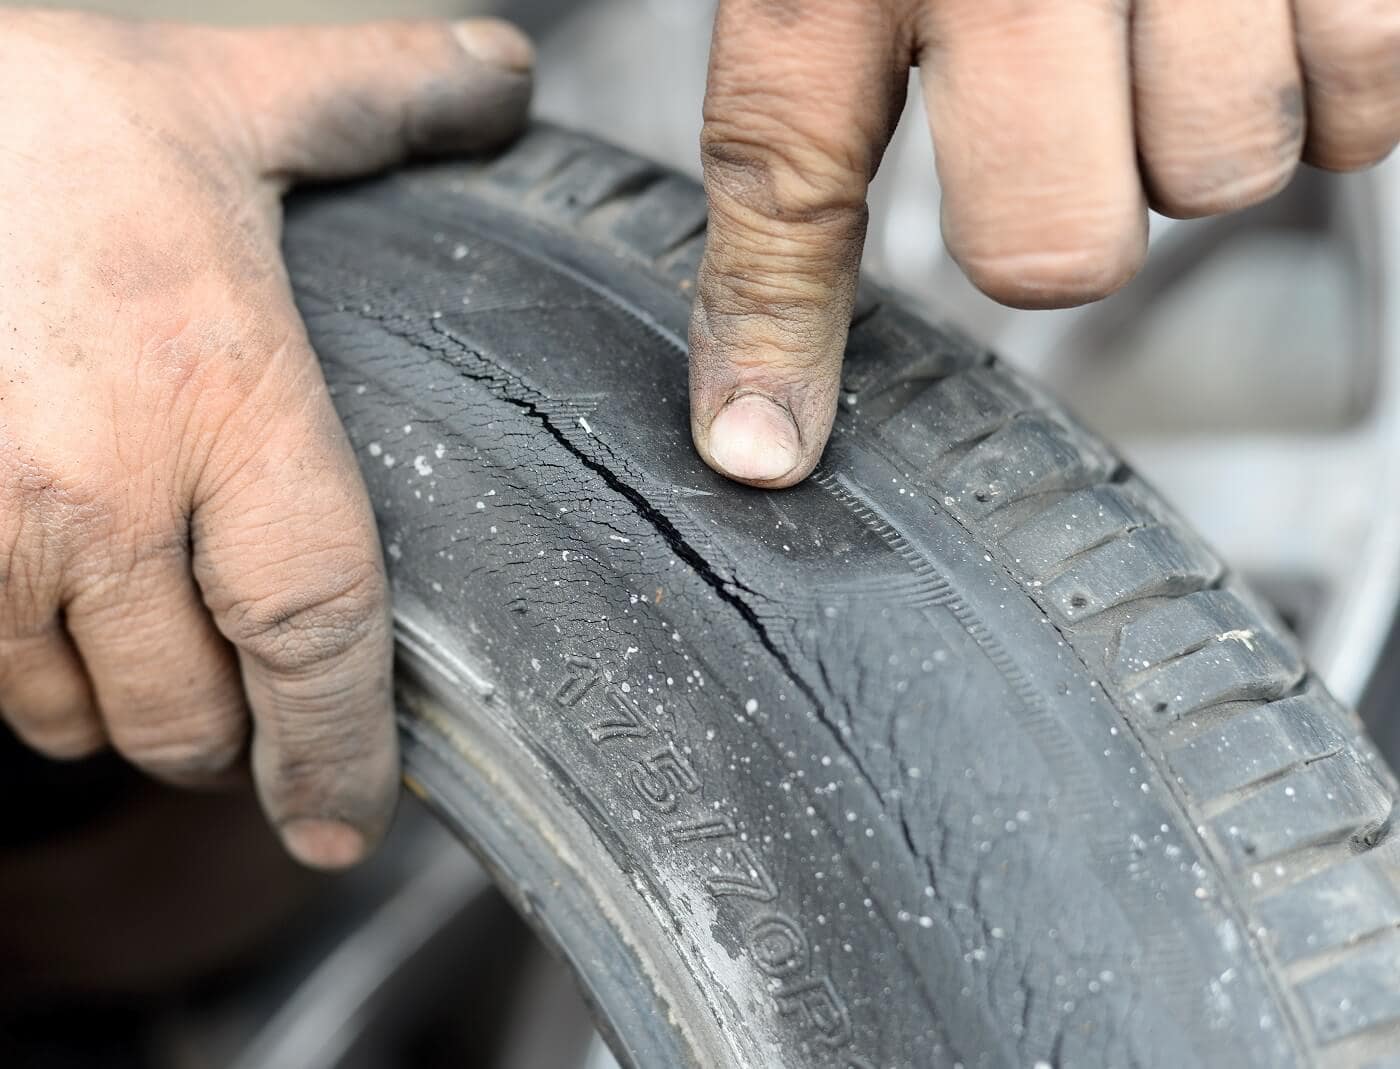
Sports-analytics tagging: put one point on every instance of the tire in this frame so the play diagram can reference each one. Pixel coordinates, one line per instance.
(964, 752)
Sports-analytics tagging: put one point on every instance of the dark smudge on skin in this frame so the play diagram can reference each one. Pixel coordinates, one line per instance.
(477, 110)
(451, 117)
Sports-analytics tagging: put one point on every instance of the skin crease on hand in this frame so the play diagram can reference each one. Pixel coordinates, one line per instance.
(187, 553)
(1056, 124)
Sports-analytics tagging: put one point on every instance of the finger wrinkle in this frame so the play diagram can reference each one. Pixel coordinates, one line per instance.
(784, 290)
(739, 229)
(306, 631)
(313, 711)
(810, 184)
(267, 554)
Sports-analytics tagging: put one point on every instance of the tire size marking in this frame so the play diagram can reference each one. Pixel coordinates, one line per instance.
(663, 778)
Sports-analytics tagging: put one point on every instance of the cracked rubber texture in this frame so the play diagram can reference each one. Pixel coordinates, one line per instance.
(966, 751)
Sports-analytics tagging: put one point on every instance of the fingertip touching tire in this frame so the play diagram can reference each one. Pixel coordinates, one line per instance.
(964, 752)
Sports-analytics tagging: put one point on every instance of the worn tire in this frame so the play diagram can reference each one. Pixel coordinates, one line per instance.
(966, 751)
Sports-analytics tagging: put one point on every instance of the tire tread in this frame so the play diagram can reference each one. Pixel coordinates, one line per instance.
(1212, 684)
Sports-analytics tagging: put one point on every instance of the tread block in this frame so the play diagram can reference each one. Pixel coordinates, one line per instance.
(1200, 650)
(663, 215)
(590, 179)
(1226, 669)
(952, 411)
(1031, 454)
(1072, 525)
(896, 346)
(1335, 799)
(1152, 561)
(1332, 909)
(1187, 625)
(1258, 744)
(539, 154)
(1358, 994)
(894, 356)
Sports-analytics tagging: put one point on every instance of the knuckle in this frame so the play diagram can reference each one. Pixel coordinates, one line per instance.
(783, 253)
(299, 630)
(119, 581)
(760, 171)
(41, 514)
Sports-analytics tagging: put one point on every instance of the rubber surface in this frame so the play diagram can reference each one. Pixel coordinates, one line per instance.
(967, 751)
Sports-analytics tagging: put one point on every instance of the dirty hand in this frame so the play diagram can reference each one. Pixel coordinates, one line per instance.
(185, 542)
(1055, 122)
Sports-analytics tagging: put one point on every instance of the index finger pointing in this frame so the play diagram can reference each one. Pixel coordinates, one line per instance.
(803, 96)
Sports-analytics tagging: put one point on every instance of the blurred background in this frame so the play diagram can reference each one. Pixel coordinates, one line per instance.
(1249, 372)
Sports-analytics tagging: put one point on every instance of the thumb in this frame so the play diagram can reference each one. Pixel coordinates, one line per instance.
(797, 113)
(337, 101)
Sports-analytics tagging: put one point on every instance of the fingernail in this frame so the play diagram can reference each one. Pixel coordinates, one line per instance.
(755, 439)
(323, 844)
(496, 43)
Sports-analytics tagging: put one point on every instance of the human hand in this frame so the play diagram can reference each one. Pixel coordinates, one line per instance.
(185, 541)
(1055, 123)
